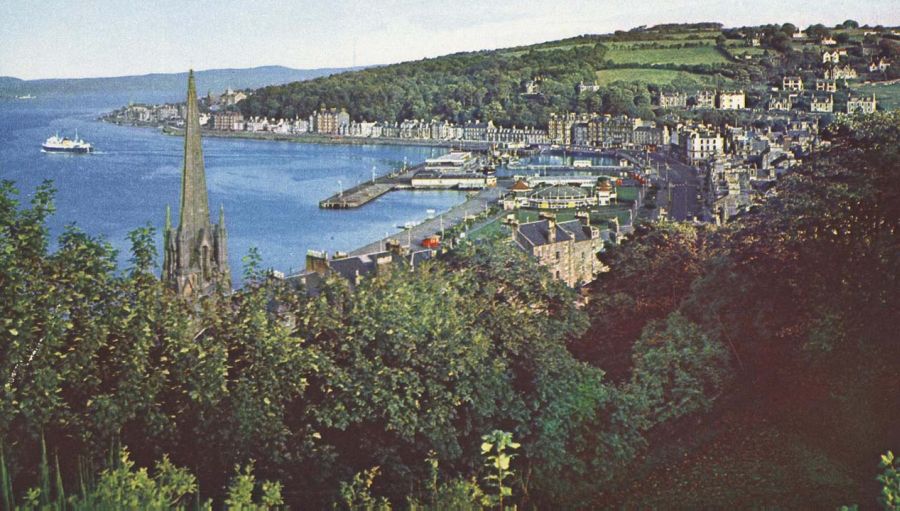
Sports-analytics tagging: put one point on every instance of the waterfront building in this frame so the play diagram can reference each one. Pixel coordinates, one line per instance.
(330, 121)
(167, 112)
(452, 162)
(567, 249)
(559, 127)
(430, 180)
(442, 130)
(477, 130)
(362, 129)
(228, 121)
(195, 260)
(608, 131)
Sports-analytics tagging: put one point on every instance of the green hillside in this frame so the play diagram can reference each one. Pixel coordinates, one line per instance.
(687, 56)
(684, 79)
(484, 85)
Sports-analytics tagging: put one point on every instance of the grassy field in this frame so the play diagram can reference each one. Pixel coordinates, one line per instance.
(657, 76)
(628, 45)
(517, 53)
(687, 34)
(888, 96)
(689, 56)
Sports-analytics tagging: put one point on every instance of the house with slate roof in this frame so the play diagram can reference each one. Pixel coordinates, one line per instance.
(568, 249)
(355, 268)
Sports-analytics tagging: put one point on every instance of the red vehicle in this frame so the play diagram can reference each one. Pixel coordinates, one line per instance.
(432, 242)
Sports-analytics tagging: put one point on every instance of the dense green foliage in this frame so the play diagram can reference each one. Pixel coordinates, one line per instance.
(461, 87)
(802, 292)
(316, 392)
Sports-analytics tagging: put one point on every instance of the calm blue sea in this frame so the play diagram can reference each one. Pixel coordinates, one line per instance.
(270, 190)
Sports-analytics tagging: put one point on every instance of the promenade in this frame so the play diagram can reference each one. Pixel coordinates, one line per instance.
(474, 205)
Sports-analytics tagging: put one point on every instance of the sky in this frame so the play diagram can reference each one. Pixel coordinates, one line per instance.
(89, 38)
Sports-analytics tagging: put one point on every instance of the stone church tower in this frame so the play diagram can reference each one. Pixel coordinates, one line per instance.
(196, 254)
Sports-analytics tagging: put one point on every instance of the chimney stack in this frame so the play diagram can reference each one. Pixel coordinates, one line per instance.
(584, 217)
(551, 226)
(513, 224)
(317, 262)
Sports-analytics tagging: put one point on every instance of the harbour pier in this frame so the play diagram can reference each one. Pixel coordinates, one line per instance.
(364, 193)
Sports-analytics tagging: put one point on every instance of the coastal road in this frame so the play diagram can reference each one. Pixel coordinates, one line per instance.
(474, 205)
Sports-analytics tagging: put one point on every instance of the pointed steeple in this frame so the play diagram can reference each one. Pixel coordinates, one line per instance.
(194, 203)
(196, 253)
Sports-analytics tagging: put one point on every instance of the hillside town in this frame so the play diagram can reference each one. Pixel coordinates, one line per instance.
(706, 155)
(410, 261)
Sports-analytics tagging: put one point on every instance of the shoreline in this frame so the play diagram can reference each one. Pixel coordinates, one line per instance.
(411, 237)
(316, 138)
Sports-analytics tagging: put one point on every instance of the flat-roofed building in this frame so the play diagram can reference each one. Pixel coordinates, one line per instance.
(454, 161)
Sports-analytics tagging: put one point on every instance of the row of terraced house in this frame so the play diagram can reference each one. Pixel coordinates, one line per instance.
(335, 122)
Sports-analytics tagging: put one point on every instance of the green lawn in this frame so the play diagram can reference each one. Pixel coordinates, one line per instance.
(888, 96)
(629, 193)
(491, 229)
(656, 76)
(688, 56)
(530, 215)
(606, 213)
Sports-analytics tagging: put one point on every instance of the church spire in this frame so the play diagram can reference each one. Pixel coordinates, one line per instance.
(196, 255)
(194, 203)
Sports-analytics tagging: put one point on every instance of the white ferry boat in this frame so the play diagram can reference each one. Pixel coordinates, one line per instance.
(57, 144)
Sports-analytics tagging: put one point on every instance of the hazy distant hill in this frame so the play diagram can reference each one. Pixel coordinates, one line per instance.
(215, 80)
